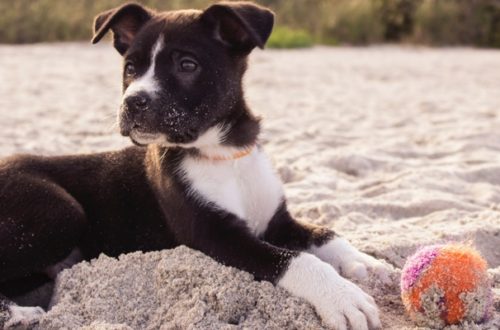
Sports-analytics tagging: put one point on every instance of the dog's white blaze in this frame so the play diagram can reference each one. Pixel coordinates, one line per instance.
(147, 82)
(247, 187)
(336, 300)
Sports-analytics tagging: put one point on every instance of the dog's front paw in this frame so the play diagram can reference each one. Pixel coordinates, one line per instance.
(23, 317)
(352, 263)
(352, 306)
(339, 302)
(360, 265)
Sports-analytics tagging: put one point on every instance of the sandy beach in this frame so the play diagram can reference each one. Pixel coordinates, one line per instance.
(393, 147)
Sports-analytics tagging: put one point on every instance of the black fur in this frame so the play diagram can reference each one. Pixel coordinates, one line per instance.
(125, 21)
(285, 232)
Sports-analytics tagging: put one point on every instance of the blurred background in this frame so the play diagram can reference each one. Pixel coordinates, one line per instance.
(300, 23)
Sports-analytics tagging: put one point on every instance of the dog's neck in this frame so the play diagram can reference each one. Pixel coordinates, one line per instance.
(233, 138)
(225, 155)
(241, 128)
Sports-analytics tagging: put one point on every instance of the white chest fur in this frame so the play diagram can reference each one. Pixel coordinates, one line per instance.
(247, 187)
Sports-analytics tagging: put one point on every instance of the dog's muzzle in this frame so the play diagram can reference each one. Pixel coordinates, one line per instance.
(133, 111)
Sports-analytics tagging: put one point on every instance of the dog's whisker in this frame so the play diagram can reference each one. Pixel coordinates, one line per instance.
(112, 127)
(163, 156)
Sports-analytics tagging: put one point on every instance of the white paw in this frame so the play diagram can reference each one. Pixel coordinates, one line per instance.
(23, 317)
(351, 262)
(353, 307)
(339, 302)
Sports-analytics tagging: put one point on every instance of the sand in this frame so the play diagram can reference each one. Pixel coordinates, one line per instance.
(393, 147)
(170, 290)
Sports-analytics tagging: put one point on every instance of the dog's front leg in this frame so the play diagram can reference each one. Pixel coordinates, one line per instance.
(284, 231)
(338, 301)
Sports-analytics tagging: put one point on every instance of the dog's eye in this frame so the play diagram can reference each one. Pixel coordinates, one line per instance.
(129, 70)
(188, 66)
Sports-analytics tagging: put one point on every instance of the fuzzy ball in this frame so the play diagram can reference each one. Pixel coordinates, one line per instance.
(446, 284)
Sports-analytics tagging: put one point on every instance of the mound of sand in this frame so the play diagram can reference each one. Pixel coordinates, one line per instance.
(170, 290)
(393, 147)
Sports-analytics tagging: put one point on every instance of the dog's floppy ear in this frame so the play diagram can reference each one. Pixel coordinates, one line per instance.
(124, 21)
(240, 25)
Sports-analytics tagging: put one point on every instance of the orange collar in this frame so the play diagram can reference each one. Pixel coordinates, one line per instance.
(236, 155)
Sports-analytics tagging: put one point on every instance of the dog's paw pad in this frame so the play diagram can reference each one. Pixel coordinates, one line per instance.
(23, 317)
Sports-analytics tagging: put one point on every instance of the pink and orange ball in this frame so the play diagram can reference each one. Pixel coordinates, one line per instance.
(446, 284)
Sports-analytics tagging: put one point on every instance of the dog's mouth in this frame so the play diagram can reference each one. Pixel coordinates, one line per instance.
(142, 138)
(137, 133)
(167, 135)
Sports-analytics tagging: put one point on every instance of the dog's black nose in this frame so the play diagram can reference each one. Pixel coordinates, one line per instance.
(139, 101)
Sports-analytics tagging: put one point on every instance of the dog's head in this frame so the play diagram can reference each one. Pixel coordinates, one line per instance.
(183, 70)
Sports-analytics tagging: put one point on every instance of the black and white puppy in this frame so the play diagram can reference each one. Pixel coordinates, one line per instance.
(197, 177)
